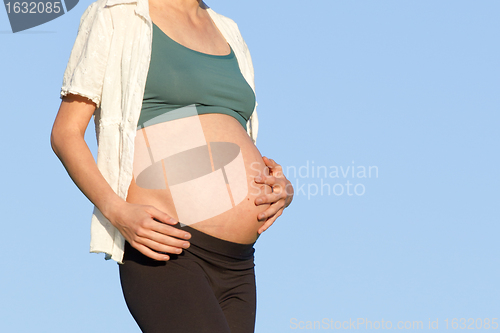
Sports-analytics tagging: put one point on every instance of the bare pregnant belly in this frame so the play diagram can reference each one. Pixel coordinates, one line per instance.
(200, 170)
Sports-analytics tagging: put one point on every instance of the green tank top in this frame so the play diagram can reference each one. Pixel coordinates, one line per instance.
(179, 76)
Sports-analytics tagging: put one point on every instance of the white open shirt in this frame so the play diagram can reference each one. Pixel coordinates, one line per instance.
(109, 64)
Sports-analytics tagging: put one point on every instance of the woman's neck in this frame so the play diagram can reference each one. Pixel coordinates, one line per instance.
(189, 7)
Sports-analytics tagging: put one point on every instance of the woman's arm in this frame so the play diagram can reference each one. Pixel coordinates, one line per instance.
(143, 226)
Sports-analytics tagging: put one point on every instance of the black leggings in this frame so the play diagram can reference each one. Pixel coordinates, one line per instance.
(209, 287)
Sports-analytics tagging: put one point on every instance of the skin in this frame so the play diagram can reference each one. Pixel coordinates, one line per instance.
(281, 197)
(146, 228)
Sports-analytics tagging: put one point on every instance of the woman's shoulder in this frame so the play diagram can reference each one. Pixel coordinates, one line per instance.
(228, 22)
(94, 7)
(92, 11)
(110, 14)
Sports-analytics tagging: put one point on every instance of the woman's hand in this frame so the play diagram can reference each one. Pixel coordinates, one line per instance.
(147, 229)
(281, 197)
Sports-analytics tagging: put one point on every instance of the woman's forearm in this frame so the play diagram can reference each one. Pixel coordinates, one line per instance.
(71, 148)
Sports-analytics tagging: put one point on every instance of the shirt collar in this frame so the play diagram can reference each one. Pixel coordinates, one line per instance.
(142, 7)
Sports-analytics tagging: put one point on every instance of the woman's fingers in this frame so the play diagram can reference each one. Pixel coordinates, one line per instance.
(168, 230)
(276, 208)
(277, 198)
(149, 253)
(161, 216)
(269, 198)
(168, 235)
(159, 237)
(276, 204)
(269, 222)
(159, 247)
(277, 181)
(276, 169)
(280, 198)
(150, 231)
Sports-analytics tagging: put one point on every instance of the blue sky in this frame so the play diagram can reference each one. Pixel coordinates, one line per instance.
(409, 88)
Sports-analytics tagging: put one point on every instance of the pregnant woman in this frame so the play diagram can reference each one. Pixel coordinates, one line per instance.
(181, 192)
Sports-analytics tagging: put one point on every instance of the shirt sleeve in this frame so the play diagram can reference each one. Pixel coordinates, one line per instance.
(253, 120)
(84, 74)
